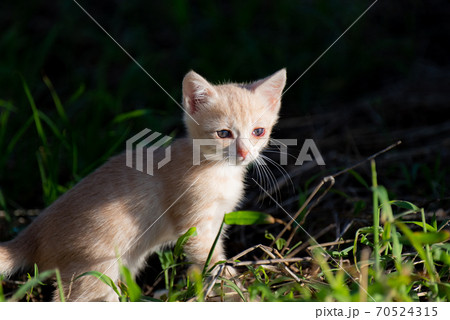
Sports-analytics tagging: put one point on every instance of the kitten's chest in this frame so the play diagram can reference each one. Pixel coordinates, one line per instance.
(223, 186)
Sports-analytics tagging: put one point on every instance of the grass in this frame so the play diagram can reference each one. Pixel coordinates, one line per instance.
(27, 290)
(404, 264)
(395, 259)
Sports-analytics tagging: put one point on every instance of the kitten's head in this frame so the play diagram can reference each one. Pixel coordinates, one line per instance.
(237, 119)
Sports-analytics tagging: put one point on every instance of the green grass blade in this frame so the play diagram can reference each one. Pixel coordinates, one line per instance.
(3, 205)
(245, 218)
(74, 158)
(76, 94)
(134, 292)
(293, 247)
(167, 260)
(359, 178)
(18, 135)
(441, 254)
(427, 238)
(4, 116)
(54, 129)
(56, 101)
(49, 185)
(429, 266)
(60, 286)
(336, 282)
(262, 289)
(7, 105)
(230, 284)
(22, 291)
(210, 254)
(364, 230)
(103, 278)
(397, 248)
(376, 220)
(182, 241)
(130, 115)
(196, 277)
(2, 295)
(37, 120)
(405, 205)
(44, 182)
(426, 226)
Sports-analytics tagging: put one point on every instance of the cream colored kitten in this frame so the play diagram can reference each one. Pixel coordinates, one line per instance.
(117, 209)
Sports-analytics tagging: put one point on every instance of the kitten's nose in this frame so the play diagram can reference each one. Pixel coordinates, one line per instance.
(243, 153)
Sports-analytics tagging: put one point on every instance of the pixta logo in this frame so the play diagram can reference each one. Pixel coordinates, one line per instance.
(308, 152)
(137, 151)
(141, 151)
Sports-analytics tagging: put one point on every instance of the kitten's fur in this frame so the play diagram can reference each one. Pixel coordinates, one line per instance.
(119, 210)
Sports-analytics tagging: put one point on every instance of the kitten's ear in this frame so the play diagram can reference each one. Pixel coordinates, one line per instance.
(197, 92)
(271, 88)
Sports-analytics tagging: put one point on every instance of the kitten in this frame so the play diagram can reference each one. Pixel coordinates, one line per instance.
(120, 210)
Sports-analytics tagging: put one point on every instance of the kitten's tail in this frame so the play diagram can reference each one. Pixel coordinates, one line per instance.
(13, 256)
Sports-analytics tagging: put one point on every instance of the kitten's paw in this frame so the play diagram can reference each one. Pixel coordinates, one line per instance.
(224, 285)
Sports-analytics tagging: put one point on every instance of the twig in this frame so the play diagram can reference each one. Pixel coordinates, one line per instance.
(285, 268)
(21, 213)
(326, 244)
(20, 283)
(267, 250)
(363, 278)
(70, 287)
(307, 244)
(243, 253)
(268, 261)
(272, 268)
(214, 279)
(331, 179)
(392, 146)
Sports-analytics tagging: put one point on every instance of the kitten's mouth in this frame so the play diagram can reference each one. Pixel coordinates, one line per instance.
(240, 161)
(230, 158)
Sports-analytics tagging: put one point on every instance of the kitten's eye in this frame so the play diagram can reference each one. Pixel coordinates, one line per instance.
(258, 132)
(223, 134)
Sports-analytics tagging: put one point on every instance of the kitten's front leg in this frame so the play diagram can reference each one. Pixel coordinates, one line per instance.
(198, 247)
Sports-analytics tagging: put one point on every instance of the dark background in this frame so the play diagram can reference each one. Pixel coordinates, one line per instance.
(386, 79)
